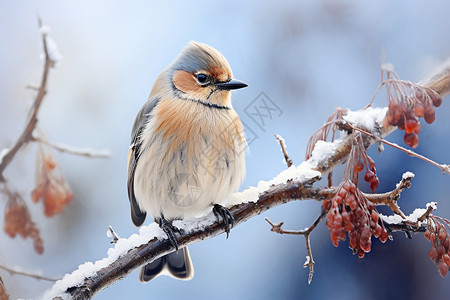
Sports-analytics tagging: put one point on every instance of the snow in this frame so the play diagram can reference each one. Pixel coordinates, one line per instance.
(366, 118)
(52, 48)
(3, 153)
(146, 233)
(302, 173)
(308, 259)
(407, 175)
(388, 67)
(416, 214)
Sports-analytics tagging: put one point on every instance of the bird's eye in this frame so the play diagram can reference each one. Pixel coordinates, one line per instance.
(202, 78)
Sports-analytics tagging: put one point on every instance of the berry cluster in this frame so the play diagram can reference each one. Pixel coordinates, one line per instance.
(18, 221)
(349, 211)
(439, 253)
(53, 189)
(405, 111)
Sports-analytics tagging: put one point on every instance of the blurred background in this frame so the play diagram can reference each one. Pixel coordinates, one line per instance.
(307, 57)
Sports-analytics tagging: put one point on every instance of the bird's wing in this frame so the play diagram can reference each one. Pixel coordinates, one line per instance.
(143, 117)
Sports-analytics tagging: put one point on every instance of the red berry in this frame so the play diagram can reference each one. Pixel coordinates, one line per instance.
(337, 199)
(442, 234)
(402, 108)
(433, 254)
(342, 192)
(389, 118)
(374, 216)
(427, 234)
(410, 125)
(437, 99)
(440, 251)
(446, 243)
(446, 259)
(419, 110)
(359, 166)
(369, 176)
(411, 139)
(384, 236)
(443, 268)
(429, 114)
(374, 184)
(393, 105)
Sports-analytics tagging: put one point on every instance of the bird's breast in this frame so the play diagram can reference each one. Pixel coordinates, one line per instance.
(192, 156)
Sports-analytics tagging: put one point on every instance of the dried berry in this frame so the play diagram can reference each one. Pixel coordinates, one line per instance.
(356, 216)
(51, 186)
(411, 139)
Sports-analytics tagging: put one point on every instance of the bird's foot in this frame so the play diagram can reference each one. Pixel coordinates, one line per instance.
(224, 213)
(170, 231)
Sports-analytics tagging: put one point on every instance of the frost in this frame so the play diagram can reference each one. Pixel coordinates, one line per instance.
(366, 118)
(109, 234)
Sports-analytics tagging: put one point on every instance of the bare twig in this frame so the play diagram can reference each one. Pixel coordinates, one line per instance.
(38, 277)
(307, 232)
(26, 135)
(444, 167)
(115, 237)
(3, 291)
(71, 150)
(289, 161)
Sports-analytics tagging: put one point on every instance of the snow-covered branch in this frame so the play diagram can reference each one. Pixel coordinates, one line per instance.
(295, 183)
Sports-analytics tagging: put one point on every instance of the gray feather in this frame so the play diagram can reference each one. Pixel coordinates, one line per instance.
(137, 215)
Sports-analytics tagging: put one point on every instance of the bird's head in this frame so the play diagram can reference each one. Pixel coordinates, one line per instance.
(201, 73)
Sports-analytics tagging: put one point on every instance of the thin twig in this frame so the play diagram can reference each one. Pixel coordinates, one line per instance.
(114, 235)
(390, 198)
(425, 215)
(444, 167)
(4, 291)
(74, 151)
(307, 232)
(289, 161)
(26, 135)
(38, 277)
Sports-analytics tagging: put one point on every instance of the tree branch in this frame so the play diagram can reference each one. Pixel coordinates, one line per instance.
(292, 184)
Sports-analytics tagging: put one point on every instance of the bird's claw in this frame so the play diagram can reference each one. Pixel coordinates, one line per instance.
(170, 230)
(224, 213)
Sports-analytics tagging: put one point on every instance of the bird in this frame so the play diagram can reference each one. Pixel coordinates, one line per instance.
(186, 155)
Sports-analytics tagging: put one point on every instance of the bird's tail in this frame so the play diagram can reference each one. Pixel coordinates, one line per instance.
(177, 265)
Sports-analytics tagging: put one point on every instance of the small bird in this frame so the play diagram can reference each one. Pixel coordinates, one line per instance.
(187, 150)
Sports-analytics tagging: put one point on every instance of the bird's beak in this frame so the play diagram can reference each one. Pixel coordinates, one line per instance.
(233, 84)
